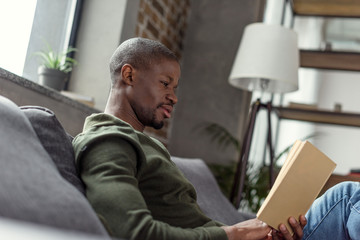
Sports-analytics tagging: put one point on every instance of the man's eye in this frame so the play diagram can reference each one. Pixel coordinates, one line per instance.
(165, 84)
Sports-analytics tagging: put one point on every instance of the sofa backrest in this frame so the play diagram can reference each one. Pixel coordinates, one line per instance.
(209, 196)
(56, 142)
(31, 186)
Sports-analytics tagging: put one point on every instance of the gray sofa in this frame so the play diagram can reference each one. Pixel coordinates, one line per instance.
(41, 192)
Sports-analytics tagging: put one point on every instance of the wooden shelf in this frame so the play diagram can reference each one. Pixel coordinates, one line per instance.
(318, 116)
(335, 179)
(327, 8)
(330, 60)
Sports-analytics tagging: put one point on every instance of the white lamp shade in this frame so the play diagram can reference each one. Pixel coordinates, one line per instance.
(270, 53)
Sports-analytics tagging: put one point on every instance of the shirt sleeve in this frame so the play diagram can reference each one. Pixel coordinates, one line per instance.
(109, 169)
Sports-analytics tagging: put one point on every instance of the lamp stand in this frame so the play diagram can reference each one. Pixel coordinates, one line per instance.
(239, 179)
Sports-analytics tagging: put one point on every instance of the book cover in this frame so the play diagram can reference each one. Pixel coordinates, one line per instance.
(299, 182)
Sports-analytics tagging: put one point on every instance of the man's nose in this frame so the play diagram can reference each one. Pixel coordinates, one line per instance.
(172, 97)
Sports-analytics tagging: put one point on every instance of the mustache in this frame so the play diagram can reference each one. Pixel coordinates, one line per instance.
(162, 104)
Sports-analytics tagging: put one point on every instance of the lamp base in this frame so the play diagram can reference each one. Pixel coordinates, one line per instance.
(239, 179)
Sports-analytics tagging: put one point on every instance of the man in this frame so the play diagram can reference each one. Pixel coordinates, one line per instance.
(131, 182)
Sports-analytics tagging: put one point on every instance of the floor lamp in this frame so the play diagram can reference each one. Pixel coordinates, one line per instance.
(268, 61)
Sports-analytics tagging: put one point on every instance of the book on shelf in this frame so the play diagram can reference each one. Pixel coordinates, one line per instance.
(303, 106)
(300, 180)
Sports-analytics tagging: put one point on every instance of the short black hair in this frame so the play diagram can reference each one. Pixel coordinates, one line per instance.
(139, 53)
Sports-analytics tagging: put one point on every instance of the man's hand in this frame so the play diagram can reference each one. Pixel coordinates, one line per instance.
(248, 230)
(297, 227)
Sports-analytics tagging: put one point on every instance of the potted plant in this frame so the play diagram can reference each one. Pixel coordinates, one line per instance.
(55, 67)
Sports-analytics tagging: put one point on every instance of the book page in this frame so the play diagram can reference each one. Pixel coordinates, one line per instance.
(288, 161)
(305, 173)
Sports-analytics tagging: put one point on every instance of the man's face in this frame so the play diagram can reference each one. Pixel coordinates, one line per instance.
(153, 95)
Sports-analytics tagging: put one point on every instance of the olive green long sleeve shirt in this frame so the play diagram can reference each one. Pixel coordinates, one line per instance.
(134, 186)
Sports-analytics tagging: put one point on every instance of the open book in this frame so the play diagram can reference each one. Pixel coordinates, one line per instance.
(299, 182)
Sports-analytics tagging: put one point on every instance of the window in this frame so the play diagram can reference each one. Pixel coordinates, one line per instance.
(15, 25)
(27, 25)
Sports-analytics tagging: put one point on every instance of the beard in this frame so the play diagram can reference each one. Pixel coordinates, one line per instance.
(148, 117)
(157, 124)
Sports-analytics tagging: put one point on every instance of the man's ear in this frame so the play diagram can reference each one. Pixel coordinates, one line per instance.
(127, 74)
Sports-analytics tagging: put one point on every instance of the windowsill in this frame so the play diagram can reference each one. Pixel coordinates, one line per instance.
(4, 74)
(22, 92)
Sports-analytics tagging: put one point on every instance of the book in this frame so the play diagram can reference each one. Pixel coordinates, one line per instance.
(299, 182)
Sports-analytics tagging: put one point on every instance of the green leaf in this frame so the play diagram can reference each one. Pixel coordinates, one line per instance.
(55, 60)
(257, 183)
(287, 149)
(220, 135)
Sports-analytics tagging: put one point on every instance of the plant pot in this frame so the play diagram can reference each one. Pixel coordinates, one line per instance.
(52, 78)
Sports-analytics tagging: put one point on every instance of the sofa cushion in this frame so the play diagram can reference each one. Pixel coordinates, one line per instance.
(31, 187)
(19, 230)
(55, 141)
(209, 196)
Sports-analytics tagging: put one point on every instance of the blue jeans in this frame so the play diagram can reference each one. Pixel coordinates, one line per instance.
(336, 214)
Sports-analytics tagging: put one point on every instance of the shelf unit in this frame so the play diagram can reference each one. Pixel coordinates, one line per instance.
(348, 61)
(329, 60)
(333, 60)
(327, 8)
(318, 116)
(311, 59)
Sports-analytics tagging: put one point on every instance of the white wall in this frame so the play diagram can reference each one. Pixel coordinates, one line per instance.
(99, 35)
(342, 144)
